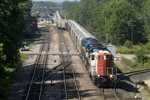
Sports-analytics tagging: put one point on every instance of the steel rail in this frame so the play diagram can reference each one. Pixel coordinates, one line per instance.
(47, 72)
(64, 76)
(77, 89)
(35, 69)
(112, 91)
(131, 74)
(54, 73)
(102, 90)
(45, 63)
(144, 70)
(75, 82)
(128, 74)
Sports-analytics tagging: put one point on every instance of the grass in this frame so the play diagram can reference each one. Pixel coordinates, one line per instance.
(33, 44)
(24, 57)
(120, 68)
(146, 92)
(133, 64)
(125, 50)
(61, 36)
(46, 24)
(128, 62)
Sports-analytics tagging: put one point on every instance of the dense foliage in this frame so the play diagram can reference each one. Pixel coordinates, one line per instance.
(122, 20)
(43, 7)
(13, 14)
(118, 18)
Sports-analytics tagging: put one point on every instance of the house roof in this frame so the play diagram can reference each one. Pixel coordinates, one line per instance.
(46, 16)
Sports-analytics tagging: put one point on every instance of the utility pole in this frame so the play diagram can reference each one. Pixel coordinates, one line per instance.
(107, 35)
(132, 26)
(107, 38)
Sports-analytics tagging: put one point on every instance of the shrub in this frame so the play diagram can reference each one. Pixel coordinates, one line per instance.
(124, 50)
(24, 57)
(140, 56)
(128, 44)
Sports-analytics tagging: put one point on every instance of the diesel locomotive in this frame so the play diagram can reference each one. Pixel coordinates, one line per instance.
(96, 57)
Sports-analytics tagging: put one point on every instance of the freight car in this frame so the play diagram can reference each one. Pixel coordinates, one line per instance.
(61, 23)
(96, 57)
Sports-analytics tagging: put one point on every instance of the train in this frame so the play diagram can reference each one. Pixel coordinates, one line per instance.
(96, 57)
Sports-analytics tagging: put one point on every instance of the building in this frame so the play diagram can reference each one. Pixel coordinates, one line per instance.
(46, 19)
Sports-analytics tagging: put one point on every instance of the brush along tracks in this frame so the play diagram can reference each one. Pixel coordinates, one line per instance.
(70, 90)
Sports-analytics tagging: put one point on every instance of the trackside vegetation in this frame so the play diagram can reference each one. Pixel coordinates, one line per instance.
(13, 15)
(24, 57)
(122, 19)
(126, 23)
(141, 61)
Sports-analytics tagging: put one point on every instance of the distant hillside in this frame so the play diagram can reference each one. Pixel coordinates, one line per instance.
(58, 3)
(43, 7)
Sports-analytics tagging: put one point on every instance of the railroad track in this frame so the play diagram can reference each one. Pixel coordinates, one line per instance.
(35, 88)
(71, 90)
(109, 93)
(127, 75)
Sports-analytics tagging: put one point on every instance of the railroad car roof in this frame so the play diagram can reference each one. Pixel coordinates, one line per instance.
(81, 30)
(58, 15)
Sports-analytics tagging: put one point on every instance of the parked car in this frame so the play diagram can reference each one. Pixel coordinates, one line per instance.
(25, 48)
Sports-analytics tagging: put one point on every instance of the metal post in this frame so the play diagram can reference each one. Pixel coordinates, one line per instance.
(132, 35)
(135, 94)
(107, 38)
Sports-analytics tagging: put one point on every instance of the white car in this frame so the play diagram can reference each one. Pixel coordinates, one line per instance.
(25, 48)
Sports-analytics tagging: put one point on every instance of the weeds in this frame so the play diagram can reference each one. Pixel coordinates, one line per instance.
(24, 57)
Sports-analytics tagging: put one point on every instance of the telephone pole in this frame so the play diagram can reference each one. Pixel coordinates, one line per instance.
(132, 26)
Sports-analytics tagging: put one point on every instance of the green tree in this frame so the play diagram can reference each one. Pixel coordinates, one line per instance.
(12, 14)
(43, 7)
(114, 17)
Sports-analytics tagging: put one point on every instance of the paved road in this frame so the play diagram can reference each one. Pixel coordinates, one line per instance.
(124, 55)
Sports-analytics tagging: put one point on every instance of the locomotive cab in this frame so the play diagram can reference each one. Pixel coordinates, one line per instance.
(101, 68)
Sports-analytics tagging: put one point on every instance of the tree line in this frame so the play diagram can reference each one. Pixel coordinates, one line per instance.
(13, 15)
(121, 20)
(43, 7)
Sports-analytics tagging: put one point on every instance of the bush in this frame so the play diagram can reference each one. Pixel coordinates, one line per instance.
(140, 56)
(124, 50)
(24, 57)
(147, 46)
(128, 44)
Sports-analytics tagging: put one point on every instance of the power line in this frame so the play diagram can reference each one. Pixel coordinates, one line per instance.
(141, 28)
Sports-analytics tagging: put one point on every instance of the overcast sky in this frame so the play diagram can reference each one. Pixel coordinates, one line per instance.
(56, 0)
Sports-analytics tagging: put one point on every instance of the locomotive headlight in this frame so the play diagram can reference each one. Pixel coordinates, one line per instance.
(104, 57)
(98, 75)
(110, 76)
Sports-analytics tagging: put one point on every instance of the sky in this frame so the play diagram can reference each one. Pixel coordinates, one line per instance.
(56, 0)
